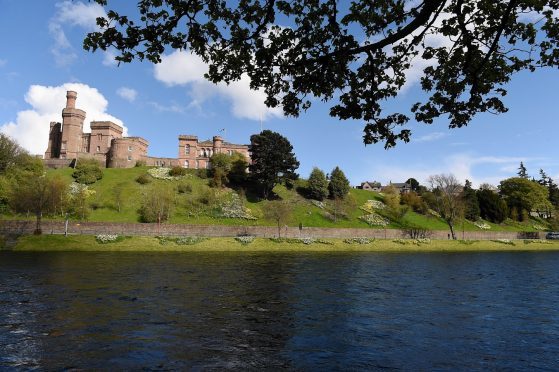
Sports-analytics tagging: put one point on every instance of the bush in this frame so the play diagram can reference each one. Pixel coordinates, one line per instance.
(87, 171)
(184, 188)
(178, 171)
(202, 173)
(140, 163)
(143, 179)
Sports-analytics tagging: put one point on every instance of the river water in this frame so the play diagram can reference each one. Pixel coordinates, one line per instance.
(467, 311)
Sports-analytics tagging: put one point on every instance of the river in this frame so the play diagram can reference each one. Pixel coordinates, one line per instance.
(319, 311)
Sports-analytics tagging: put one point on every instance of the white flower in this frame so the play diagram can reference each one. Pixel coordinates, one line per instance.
(374, 219)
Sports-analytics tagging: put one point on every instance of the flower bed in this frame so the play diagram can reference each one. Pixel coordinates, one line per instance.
(412, 241)
(503, 241)
(482, 225)
(234, 208)
(371, 205)
(374, 219)
(107, 238)
(359, 241)
(164, 174)
(245, 239)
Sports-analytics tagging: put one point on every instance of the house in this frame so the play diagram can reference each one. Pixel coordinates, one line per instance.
(370, 186)
(403, 188)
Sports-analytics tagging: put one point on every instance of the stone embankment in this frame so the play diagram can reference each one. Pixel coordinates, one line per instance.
(153, 229)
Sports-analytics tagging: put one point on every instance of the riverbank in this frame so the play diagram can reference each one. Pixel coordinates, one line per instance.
(142, 244)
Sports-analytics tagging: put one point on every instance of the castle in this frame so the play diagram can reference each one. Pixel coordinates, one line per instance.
(68, 143)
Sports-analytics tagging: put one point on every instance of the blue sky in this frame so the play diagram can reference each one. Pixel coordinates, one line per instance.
(41, 57)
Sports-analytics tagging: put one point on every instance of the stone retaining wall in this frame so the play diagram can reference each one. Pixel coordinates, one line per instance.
(153, 229)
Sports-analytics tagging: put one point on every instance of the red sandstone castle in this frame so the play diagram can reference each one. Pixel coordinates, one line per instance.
(68, 143)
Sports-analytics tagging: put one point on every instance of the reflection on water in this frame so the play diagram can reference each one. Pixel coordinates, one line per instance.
(294, 311)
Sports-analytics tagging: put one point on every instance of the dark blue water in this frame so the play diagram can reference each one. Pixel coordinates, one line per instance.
(295, 311)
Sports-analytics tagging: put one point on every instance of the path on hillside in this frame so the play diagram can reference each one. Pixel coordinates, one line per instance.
(154, 229)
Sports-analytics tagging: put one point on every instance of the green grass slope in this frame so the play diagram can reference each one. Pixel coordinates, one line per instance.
(201, 204)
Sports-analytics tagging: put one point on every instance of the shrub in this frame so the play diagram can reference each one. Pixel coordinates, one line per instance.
(140, 163)
(202, 173)
(177, 171)
(87, 171)
(143, 179)
(184, 188)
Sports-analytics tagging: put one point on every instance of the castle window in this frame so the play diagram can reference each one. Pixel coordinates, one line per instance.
(129, 158)
(187, 150)
(98, 148)
(129, 148)
(186, 164)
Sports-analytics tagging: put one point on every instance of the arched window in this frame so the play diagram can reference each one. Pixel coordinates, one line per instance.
(205, 154)
(186, 163)
(187, 150)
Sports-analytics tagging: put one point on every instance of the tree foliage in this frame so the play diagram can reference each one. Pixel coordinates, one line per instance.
(522, 171)
(280, 212)
(448, 201)
(525, 196)
(10, 153)
(356, 54)
(273, 160)
(339, 184)
(491, 206)
(157, 203)
(317, 185)
(471, 204)
(87, 171)
(221, 166)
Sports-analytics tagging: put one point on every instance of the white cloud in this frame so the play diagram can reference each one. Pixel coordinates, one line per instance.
(3, 62)
(31, 127)
(173, 107)
(182, 68)
(128, 94)
(109, 58)
(71, 13)
(431, 137)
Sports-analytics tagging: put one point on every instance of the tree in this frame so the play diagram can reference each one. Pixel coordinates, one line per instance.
(39, 194)
(471, 204)
(221, 166)
(157, 203)
(522, 172)
(87, 171)
(339, 185)
(341, 207)
(10, 153)
(491, 206)
(394, 210)
(448, 201)
(118, 195)
(358, 56)
(317, 185)
(280, 212)
(413, 183)
(525, 196)
(80, 195)
(273, 160)
(239, 166)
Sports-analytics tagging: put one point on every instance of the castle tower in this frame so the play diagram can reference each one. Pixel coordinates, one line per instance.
(218, 144)
(72, 128)
(55, 136)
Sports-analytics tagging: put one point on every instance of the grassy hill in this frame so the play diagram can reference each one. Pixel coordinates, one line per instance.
(201, 204)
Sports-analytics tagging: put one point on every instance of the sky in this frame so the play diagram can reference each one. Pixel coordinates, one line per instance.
(41, 56)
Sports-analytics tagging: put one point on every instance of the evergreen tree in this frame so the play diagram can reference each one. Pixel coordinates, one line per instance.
(273, 160)
(317, 184)
(522, 172)
(491, 206)
(339, 185)
(471, 204)
(544, 179)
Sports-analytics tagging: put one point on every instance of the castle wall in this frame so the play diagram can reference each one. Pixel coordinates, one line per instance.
(55, 139)
(125, 152)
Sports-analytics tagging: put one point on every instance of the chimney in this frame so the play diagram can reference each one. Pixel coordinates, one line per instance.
(71, 99)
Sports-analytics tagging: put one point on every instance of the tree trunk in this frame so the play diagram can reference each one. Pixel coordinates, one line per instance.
(451, 230)
(279, 230)
(38, 230)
